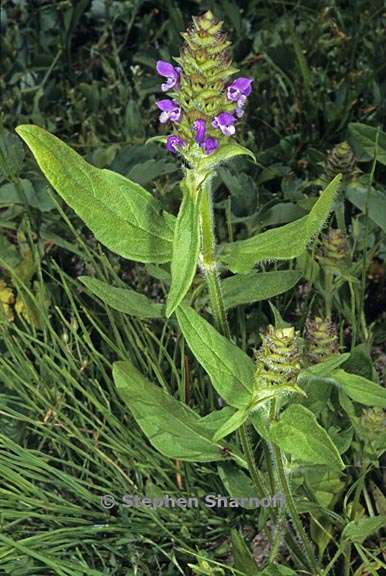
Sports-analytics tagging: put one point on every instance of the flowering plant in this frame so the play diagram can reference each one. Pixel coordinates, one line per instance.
(204, 103)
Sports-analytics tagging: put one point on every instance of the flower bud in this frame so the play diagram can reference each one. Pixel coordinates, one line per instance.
(341, 160)
(321, 339)
(335, 247)
(277, 364)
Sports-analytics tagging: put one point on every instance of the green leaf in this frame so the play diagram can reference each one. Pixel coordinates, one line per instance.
(122, 299)
(8, 253)
(323, 369)
(231, 371)
(171, 427)
(360, 389)
(360, 361)
(277, 570)
(237, 483)
(363, 139)
(281, 243)
(358, 195)
(260, 422)
(122, 215)
(217, 418)
(186, 248)
(359, 530)
(233, 423)
(242, 556)
(298, 433)
(222, 154)
(254, 287)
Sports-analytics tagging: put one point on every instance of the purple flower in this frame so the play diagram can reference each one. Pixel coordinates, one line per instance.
(238, 92)
(171, 73)
(200, 129)
(170, 110)
(173, 142)
(209, 145)
(239, 87)
(224, 122)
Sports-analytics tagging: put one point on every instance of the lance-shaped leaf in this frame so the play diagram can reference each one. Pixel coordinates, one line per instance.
(222, 154)
(322, 369)
(360, 389)
(237, 483)
(255, 286)
(281, 243)
(233, 423)
(359, 530)
(122, 299)
(186, 248)
(298, 432)
(171, 426)
(231, 371)
(122, 215)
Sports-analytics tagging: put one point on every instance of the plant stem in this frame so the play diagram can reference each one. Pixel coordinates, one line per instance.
(208, 255)
(365, 262)
(209, 262)
(290, 502)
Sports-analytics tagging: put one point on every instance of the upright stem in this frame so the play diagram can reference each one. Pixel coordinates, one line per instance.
(209, 263)
(290, 502)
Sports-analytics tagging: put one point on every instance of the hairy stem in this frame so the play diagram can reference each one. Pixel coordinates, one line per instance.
(209, 264)
(290, 502)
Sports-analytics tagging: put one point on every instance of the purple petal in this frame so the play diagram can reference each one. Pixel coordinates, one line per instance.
(224, 122)
(173, 142)
(166, 69)
(209, 145)
(172, 73)
(166, 105)
(243, 85)
(170, 110)
(200, 129)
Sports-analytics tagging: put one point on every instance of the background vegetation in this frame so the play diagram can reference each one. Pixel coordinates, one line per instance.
(84, 70)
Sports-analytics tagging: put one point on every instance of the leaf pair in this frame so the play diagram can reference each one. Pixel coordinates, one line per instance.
(129, 221)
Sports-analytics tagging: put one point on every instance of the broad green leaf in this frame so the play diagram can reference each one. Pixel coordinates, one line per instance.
(360, 389)
(358, 194)
(231, 371)
(123, 299)
(326, 484)
(281, 243)
(260, 422)
(298, 433)
(359, 530)
(224, 153)
(360, 361)
(363, 139)
(237, 483)
(217, 418)
(233, 423)
(255, 286)
(186, 248)
(122, 215)
(171, 426)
